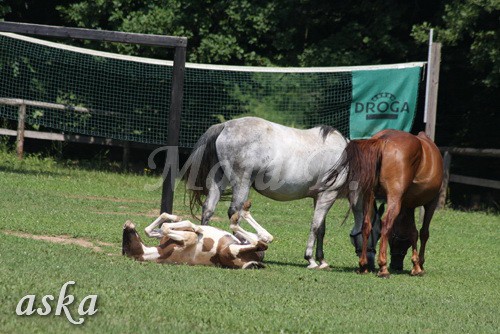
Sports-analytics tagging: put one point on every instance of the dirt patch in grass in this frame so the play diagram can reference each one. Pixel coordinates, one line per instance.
(109, 199)
(64, 239)
(154, 213)
(197, 220)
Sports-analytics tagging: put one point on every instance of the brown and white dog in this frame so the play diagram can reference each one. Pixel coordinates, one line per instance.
(183, 242)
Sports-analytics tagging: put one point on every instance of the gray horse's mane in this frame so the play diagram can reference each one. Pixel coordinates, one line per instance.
(325, 130)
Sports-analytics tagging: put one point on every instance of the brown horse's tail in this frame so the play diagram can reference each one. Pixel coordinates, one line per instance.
(363, 158)
(201, 161)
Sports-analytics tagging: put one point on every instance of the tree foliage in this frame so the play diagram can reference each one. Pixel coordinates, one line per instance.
(471, 26)
(222, 32)
(468, 97)
(291, 33)
(4, 9)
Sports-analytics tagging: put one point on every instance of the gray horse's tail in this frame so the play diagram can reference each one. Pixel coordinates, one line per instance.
(201, 161)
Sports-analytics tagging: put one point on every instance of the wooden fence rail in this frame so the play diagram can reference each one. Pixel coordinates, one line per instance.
(21, 133)
(475, 181)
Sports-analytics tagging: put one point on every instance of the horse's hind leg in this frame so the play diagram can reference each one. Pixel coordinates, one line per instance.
(430, 208)
(248, 256)
(217, 186)
(409, 220)
(322, 205)
(393, 209)
(241, 189)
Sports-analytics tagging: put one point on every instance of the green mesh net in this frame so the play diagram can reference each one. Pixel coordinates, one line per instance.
(128, 98)
(301, 100)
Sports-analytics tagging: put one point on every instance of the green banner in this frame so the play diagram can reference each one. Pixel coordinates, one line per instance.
(383, 99)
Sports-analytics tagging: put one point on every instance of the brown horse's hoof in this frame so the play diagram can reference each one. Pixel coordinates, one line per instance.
(417, 273)
(383, 274)
(362, 271)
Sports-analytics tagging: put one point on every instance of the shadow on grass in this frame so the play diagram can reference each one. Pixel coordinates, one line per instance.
(21, 171)
(300, 265)
(343, 269)
(285, 264)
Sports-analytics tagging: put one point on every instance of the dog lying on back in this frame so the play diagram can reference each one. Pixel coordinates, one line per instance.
(183, 242)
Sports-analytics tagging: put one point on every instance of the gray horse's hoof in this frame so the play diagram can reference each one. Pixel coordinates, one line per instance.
(324, 265)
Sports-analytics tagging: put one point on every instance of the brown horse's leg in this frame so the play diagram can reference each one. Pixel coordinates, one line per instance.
(416, 270)
(366, 230)
(424, 231)
(393, 209)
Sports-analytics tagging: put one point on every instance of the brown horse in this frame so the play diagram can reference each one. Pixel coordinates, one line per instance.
(408, 171)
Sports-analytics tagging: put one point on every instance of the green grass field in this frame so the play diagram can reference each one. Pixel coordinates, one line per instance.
(39, 197)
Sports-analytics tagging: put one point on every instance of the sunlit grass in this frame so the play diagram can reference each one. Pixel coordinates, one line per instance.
(459, 293)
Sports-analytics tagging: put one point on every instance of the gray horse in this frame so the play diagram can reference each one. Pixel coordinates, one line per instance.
(280, 162)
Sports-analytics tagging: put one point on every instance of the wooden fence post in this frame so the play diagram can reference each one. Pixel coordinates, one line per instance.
(446, 179)
(20, 130)
(125, 156)
(435, 61)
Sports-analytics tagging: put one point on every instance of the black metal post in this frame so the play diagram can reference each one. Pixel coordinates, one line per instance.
(174, 125)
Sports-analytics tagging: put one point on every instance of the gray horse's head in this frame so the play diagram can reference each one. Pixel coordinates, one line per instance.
(357, 239)
(399, 240)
